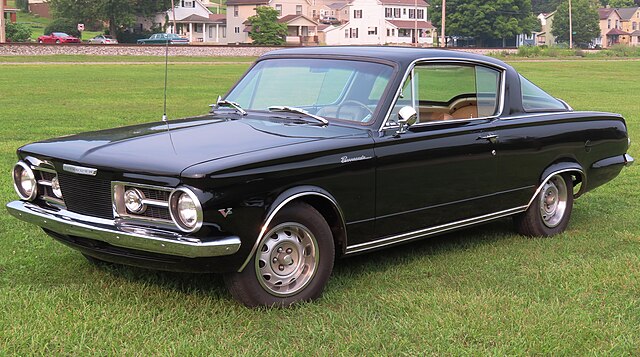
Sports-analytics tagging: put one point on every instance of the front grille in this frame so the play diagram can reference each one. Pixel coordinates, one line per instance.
(86, 195)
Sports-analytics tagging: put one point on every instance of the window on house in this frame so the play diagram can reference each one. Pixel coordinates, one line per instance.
(236, 30)
(388, 12)
(396, 12)
(372, 31)
(188, 4)
(388, 32)
(393, 32)
(353, 33)
(412, 13)
(420, 14)
(609, 23)
(298, 9)
(618, 24)
(357, 14)
(347, 32)
(404, 33)
(314, 13)
(404, 11)
(224, 32)
(634, 25)
(279, 9)
(235, 10)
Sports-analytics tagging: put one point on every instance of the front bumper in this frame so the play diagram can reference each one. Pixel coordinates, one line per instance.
(126, 236)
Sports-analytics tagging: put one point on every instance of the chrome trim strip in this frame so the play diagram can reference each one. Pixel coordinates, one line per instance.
(628, 160)
(123, 235)
(584, 183)
(448, 60)
(157, 203)
(406, 237)
(80, 170)
(277, 209)
(40, 168)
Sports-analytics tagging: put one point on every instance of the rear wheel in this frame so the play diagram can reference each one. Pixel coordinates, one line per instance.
(57, 41)
(550, 211)
(292, 263)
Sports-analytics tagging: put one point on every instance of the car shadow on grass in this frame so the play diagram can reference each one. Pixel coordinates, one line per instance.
(212, 285)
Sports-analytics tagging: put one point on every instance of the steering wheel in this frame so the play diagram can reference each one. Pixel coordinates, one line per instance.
(354, 103)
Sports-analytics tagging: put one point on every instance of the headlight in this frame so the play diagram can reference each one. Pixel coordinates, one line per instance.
(55, 187)
(185, 209)
(133, 200)
(24, 181)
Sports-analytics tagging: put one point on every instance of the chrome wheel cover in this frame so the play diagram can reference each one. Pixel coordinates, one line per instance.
(553, 201)
(287, 259)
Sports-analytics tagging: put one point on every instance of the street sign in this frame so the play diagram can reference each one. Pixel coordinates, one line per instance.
(80, 27)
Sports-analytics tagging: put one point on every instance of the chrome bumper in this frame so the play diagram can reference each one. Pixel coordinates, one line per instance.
(126, 236)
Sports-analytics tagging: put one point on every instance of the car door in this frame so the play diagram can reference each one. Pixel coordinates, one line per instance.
(443, 169)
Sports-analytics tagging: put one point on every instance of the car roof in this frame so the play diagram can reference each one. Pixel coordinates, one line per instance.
(400, 55)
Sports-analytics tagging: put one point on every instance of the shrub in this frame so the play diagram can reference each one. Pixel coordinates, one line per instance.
(529, 51)
(18, 32)
(621, 50)
(63, 25)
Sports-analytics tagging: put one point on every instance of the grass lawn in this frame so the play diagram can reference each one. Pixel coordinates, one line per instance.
(475, 292)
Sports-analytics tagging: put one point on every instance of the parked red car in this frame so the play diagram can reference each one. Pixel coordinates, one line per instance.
(58, 37)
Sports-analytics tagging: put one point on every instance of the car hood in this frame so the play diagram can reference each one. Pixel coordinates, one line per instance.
(167, 149)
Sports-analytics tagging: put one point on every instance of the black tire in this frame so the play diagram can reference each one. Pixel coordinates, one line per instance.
(40, 41)
(550, 211)
(293, 261)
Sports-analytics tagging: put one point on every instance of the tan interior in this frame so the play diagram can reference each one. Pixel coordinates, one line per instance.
(460, 109)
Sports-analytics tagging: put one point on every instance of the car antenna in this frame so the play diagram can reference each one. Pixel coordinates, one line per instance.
(166, 74)
(164, 109)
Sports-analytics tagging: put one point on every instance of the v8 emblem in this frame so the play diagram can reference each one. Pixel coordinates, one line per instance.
(225, 212)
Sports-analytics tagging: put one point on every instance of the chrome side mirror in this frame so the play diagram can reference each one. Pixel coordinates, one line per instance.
(407, 116)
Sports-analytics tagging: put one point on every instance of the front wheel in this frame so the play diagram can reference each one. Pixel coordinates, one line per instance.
(550, 210)
(292, 263)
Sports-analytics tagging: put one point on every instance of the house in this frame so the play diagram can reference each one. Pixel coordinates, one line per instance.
(619, 26)
(610, 28)
(40, 8)
(193, 20)
(301, 28)
(382, 22)
(9, 14)
(545, 37)
(630, 23)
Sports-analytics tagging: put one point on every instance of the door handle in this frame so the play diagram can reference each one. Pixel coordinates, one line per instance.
(491, 137)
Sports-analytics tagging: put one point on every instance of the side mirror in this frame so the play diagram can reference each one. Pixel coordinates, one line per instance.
(407, 116)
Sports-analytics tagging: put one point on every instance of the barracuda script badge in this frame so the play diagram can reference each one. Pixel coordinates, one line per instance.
(346, 159)
(80, 170)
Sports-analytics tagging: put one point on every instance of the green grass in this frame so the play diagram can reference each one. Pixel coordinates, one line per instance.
(475, 292)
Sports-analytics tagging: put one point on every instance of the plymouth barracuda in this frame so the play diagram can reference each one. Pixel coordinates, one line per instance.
(316, 154)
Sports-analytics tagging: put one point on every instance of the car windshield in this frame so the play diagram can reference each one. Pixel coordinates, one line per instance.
(340, 89)
(60, 34)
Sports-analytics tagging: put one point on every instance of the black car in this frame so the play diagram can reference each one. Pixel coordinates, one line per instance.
(319, 153)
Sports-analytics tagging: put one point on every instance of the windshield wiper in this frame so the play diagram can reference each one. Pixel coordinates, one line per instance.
(286, 109)
(228, 103)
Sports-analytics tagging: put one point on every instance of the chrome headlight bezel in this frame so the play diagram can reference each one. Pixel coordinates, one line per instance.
(174, 197)
(18, 169)
(139, 195)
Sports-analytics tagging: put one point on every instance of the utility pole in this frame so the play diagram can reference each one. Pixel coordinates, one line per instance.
(3, 38)
(173, 9)
(444, 13)
(415, 24)
(570, 27)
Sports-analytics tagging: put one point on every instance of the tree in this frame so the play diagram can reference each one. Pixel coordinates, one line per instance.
(18, 32)
(620, 3)
(585, 22)
(486, 20)
(265, 28)
(67, 26)
(118, 14)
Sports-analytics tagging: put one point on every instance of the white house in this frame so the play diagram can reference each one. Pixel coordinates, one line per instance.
(193, 20)
(382, 22)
